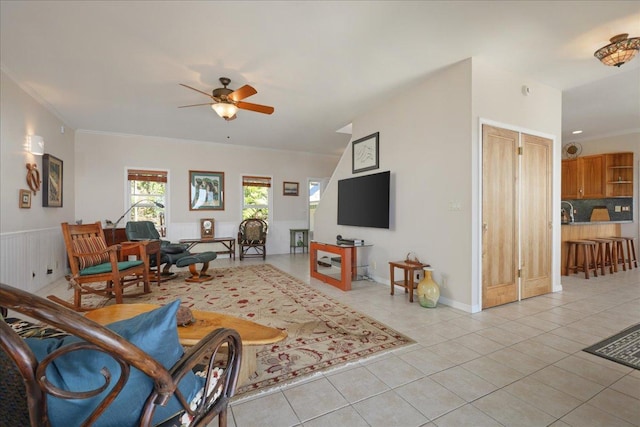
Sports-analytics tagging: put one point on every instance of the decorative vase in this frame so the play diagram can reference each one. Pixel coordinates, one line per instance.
(428, 290)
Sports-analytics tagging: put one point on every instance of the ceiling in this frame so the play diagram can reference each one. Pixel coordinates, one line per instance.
(116, 66)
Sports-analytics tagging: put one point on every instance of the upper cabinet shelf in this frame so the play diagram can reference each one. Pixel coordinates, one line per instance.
(598, 176)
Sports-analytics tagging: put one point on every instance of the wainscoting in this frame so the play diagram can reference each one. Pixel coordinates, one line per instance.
(25, 257)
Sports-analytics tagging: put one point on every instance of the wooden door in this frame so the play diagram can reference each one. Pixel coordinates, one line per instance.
(591, 171)
(537, 215)
(499, 216)
(570, 185)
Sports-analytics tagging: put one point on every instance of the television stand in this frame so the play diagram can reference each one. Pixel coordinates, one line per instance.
(348, 265)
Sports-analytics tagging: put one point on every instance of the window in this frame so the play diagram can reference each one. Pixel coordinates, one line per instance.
(256, 194)
(147, 195)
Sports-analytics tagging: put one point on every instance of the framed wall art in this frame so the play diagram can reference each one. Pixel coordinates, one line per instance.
(207, 228)
(290, 188)
(52, 182)
(206, 190)
(365, 152)
(25, 199)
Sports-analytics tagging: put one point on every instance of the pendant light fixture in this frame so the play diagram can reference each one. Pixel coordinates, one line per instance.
(621, 50)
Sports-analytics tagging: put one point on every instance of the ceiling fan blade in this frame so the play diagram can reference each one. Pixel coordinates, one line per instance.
(255, 107)
(242, 93)
(197, 90)
(197, 105)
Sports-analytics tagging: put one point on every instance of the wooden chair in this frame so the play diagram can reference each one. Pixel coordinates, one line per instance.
(26, 387)
(252, 235)
(91, 261)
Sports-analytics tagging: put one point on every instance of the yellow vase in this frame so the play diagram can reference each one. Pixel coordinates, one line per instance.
(428, 290)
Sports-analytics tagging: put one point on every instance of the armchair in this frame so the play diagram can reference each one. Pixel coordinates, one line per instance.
(91, 261)
(252, 234)
(170, 253)
(87, 378)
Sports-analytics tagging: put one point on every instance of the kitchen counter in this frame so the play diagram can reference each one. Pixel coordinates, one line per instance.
(585, 231)
(596, 222)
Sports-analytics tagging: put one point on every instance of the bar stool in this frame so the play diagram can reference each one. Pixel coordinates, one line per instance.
(631, 252)
(603, 254)
(618, 253)
(588, 249)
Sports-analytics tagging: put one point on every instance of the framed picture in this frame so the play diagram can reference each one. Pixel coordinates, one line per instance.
(52, 181)
(207, 228)
(206, 190)
(25, 199)
(289, 188)
(365, 152)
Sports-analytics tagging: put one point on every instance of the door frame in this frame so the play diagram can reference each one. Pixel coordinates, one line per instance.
(477, 221)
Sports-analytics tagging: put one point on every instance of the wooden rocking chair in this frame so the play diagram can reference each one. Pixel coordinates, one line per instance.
(92, 261)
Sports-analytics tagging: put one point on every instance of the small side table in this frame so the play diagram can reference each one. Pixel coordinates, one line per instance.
(298, 238)
(408, 267)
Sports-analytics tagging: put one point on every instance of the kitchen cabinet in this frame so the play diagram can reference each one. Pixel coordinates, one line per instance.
(619, 174)
(570, 185)
(584, 177)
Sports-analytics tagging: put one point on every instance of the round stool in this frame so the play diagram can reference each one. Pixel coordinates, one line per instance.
(588, 249)
(631, 252)
(603, 254)
(618, 253)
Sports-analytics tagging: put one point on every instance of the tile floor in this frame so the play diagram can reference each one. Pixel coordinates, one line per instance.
(520, 364)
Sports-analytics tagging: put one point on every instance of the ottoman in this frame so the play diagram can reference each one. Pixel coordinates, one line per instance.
(199, 258)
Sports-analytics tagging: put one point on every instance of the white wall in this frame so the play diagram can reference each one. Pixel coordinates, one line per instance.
(429, 141)
(425, 141)
(30, 239)
(621, 143)
(22, 115)
(102, 160)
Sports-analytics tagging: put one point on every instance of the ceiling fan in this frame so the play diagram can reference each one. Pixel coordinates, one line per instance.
(226, 102)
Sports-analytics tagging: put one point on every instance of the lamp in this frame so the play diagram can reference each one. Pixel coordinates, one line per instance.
(226, 110)
(621, 50)
(35, 144)
(150, 203)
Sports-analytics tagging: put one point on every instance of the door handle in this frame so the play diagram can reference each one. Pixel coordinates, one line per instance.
(485, 227)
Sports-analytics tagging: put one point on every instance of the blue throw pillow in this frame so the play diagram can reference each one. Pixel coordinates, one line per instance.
(155, 333)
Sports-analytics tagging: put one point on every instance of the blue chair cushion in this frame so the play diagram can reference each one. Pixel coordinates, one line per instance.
(155, 333)
(106, 267)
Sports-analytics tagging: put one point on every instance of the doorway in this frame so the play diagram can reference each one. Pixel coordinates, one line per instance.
(517, 176)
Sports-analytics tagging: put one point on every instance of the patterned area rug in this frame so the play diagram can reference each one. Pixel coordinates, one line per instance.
(322, 332)
(623, 347)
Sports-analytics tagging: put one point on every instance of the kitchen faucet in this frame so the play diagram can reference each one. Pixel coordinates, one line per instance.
(571, 218)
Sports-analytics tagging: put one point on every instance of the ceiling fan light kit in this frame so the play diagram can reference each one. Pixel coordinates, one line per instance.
(225, 110)
(620, 51)
(226, 102)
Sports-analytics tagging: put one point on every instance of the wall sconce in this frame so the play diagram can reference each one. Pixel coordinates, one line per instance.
(35, 144)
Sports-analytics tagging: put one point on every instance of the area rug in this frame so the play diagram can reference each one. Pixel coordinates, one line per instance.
(623, 347)
(322, 332)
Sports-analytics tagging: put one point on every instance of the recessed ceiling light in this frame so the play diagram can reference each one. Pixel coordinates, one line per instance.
(576, 132)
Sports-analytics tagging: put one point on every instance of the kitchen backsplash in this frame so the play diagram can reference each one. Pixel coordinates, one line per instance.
(583, 208)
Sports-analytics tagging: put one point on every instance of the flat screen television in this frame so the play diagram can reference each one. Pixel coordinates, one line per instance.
(363, 201)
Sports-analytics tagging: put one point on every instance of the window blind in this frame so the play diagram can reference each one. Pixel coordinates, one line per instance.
(256, 181)
(146, 175)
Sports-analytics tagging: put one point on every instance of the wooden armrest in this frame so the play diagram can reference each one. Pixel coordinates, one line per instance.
(207, 353)
(138, 248)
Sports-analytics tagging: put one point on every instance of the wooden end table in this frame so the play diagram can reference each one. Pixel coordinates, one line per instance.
(408, 267)
(252, 334)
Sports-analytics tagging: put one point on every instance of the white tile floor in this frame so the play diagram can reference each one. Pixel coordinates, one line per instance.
(520, 364)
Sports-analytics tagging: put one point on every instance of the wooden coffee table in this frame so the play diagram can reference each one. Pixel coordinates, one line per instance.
(252, 334)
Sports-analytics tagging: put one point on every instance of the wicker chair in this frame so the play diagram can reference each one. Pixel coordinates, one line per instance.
(252, 238)
(25, 381)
